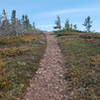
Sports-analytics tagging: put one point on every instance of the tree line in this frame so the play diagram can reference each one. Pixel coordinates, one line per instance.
(15, 26)
(70, 27)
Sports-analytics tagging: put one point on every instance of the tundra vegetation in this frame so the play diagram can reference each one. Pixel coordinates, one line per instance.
(81, 51)
(21, 48)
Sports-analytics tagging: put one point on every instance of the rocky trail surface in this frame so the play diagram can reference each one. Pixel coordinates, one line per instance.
(49, 83)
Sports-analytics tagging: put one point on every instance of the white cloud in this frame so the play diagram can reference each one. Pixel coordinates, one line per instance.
(45, 26)
(67, 11)
(49, 26)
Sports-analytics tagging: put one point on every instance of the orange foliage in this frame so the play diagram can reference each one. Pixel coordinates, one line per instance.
(14, 50)
(29, 38)
(2, 71)
(95, 60)
(2, 62)
(25, 38)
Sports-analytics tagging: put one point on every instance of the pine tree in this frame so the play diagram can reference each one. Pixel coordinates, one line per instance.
(23, 24)
(0, 20)
(5, 25)
(15, 26)
(4, 17)
(88, 23)
(19, 28)
(71, 27)
(23, 20)
(13, 17)
(26, 22)
(34, 28)
(67, 25)
(75, 27)
(13, 22)
(58, 23)
(4, 14)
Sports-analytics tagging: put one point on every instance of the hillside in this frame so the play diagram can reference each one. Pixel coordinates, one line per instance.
(19, 60)
(81, 52)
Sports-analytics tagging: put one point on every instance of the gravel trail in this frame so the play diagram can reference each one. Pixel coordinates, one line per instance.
(49, 83)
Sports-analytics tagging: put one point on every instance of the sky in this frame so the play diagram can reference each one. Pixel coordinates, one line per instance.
(44, 12)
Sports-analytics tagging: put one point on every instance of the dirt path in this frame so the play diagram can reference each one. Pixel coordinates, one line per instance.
(49, 83)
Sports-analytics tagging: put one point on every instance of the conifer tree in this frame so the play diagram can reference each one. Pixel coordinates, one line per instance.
(75, 27)
(5, 25)
(13, 22)
(58, 23)
(67, 25)
(34, 28)
(26, 22)
(13, 17)
(88, 23)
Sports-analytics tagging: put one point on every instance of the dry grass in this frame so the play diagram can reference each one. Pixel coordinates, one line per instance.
(13, 51)
(24, 38)
(95, 60)
(2, 62)
(3, 79)
(29, 38)
(90, 35)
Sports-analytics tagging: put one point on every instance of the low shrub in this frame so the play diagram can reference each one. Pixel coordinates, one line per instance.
(13, 51)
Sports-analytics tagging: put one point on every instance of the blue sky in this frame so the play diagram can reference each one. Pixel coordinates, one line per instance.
(44, 12)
